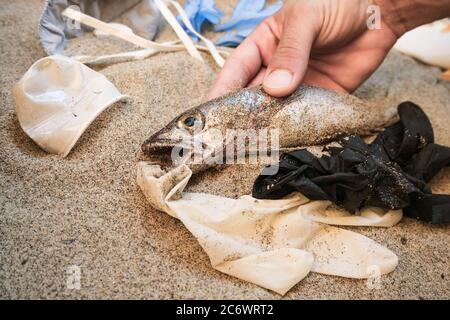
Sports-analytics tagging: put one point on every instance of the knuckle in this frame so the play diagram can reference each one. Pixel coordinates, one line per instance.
(290, 52)
(247, 71)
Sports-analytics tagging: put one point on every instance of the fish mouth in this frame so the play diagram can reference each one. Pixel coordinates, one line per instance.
(159, 151)
(158, 145)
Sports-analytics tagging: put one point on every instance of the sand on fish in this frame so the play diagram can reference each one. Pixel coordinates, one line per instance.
(87, 211)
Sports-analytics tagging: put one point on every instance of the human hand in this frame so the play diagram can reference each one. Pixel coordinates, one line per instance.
(319, 42)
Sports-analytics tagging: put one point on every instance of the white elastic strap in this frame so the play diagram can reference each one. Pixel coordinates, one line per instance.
(211, 47)
(109, 29)
(119, 57)
(170, 18)
(129, 37)
(116, 58)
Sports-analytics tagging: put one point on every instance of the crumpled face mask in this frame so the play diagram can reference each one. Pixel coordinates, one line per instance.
(152, 47)
(57, 99)
(271, 243)
(141, 16)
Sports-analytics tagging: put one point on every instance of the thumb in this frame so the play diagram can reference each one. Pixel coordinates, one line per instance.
(290, 60)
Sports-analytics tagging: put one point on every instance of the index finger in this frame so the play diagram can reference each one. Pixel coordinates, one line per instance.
(240, 67)
(245, 62)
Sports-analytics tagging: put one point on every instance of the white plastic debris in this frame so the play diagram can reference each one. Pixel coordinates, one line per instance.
(58, 98)
(154, 47)
(428, 43)
(272, 243)
(142, 16)
(100, 34)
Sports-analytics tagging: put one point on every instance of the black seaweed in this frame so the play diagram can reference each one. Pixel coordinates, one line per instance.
(392, 172)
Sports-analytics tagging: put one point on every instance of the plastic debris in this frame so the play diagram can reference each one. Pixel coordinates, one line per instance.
(390, 173)
(272, 243)
(247, 15)
(141, 16)
(200, 12)
(58, 98)
(429, 43)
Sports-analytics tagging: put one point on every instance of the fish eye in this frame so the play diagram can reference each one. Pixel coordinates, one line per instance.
(189, 121)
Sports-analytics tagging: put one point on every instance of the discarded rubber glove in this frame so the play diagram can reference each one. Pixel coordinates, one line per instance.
(247, 15)
(272, 243)
(199, 13)
(391, 173)
(230, 39)
(58, 98)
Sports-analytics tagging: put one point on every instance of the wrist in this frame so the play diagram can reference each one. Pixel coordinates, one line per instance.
(404, 15)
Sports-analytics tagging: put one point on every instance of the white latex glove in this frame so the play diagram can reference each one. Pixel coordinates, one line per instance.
(271, 243)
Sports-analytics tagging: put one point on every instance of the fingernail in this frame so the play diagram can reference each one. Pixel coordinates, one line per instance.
(278, 79)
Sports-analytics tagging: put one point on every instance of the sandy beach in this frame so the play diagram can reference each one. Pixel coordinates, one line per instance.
(86, 210)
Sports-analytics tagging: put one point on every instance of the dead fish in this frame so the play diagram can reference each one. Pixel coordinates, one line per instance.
(310, 116)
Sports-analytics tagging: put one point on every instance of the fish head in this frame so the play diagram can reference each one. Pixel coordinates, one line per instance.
(201, 133)
(184, 139)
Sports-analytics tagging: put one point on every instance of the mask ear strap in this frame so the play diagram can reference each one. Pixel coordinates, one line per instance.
(111, 30)
(137, 40)
(182, 35)
(208, 43)
(116, 58)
